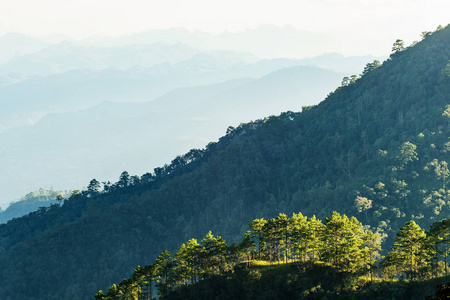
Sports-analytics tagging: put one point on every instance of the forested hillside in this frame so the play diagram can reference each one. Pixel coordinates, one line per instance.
(376, 148)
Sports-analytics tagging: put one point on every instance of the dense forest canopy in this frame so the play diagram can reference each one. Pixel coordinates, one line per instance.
(376, 148)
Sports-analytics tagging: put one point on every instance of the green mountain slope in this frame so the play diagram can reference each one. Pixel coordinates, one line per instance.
(363, 140)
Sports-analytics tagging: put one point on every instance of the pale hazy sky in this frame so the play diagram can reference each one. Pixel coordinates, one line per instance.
(347, 19)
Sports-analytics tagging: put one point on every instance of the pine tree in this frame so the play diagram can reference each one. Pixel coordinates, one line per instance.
(441, 231)
(315, 230)
(300, 234)
(283, 234)
(163, 269)
(343, 242)
(213, 254)
(409, 245)
(256, 227)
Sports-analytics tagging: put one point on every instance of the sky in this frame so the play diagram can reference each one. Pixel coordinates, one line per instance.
(356, 22)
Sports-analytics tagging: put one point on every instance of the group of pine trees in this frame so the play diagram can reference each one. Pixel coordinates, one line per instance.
(341, 242)
(419, 254)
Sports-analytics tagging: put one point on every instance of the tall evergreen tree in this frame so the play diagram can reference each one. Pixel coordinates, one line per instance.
(409, 245)
(441, 231)
(256, 227)
(343, 242)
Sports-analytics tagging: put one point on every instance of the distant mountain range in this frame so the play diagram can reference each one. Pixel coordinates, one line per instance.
(68, 149)
(266, 41)
(49, 92)
(16, 44)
